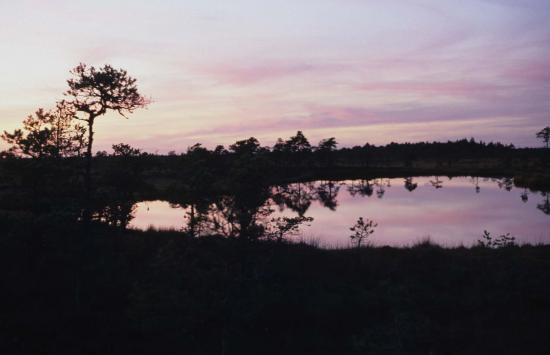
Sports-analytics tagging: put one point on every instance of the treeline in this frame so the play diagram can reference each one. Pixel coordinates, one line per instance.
(128, 173)
(297, 150)
(296, 158)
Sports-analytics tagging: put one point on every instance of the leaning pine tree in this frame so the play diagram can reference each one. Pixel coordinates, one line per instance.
(94, 92)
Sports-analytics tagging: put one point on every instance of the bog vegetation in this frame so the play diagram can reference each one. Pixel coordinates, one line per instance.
(77, 280)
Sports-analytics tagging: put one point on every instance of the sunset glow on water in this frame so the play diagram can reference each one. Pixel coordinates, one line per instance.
(452, 215)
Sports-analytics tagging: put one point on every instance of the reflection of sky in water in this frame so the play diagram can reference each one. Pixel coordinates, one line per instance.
(452, 215)
(157, 214)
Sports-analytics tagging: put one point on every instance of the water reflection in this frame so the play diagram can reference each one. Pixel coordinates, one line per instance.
(360, 188)
(449, 211)
(327, 192)
(117, 214)
(475, 181)
(410, 185)
(525, 196)
(298, 197)
(437, 183)
(505, 183)
(544, 206)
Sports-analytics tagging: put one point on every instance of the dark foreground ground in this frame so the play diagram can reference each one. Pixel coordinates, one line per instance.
(163, 293)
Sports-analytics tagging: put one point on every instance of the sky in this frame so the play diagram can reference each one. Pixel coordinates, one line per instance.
(360, 70)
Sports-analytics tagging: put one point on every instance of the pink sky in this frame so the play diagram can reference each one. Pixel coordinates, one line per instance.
(363, 71)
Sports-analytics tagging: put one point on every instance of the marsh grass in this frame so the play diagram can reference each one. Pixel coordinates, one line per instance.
(163, 292)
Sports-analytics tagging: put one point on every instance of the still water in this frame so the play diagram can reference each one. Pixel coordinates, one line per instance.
(448, 211)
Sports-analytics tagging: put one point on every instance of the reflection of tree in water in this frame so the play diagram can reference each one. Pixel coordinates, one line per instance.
(524, 196)
(246, 212)
(475, 181)
(437, 183)
(196, 199)
(380, 190)
(298, 197)
(228, 216)
(119, 184)
(195, 216)
(244, 207)
(117, 214)
(505, 183)
(410, 185)
(367, 188)
(235, 216)
(544, 206)
(327, 193)
(361, 188)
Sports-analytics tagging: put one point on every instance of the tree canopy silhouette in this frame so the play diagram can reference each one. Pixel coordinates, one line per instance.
(298, 143)
(246, 146)
(94, 92)
(327, 144)
(544, 135)
(48, 134)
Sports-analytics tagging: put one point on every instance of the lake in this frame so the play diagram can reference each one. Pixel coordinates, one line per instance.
(449, 211)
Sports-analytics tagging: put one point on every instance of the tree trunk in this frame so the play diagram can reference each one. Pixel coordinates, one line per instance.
(192, 221)
(88, 173)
